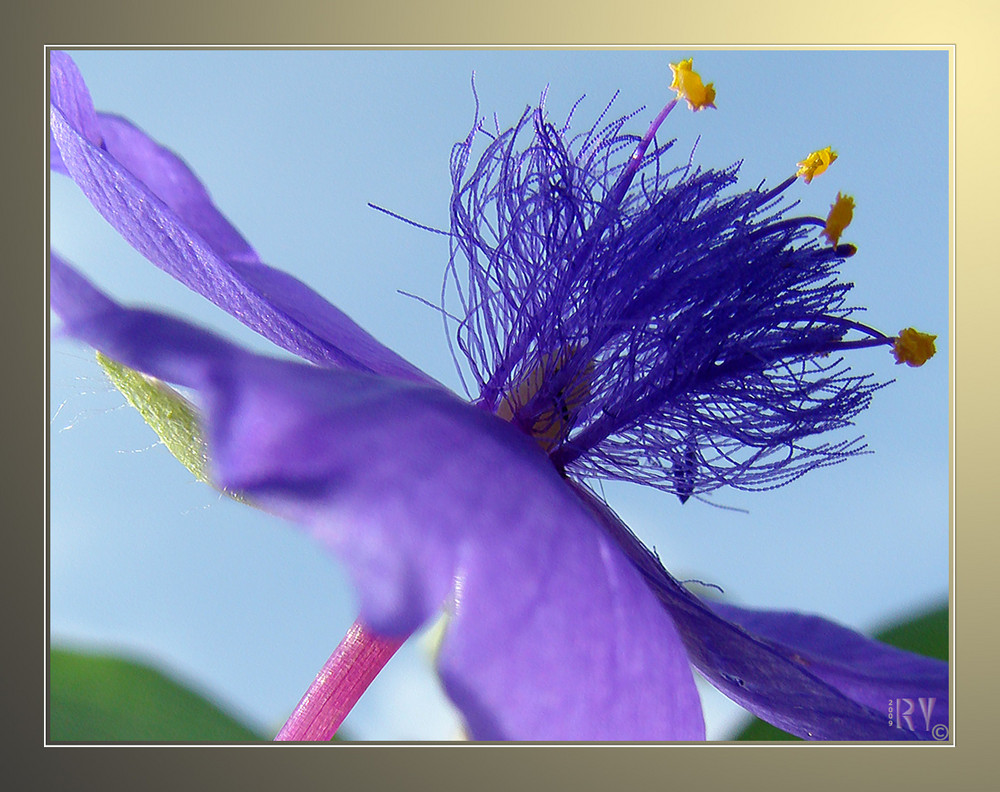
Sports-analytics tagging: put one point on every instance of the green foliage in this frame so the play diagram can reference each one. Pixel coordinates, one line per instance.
(926, 634)
(94, 698)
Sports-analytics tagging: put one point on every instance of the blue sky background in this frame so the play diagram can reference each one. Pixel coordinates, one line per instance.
(292, 146)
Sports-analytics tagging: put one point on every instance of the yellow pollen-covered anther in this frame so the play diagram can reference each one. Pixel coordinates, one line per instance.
(816, 163)
(552, 419)
(839, 218)
(688, 85)
(913, 347)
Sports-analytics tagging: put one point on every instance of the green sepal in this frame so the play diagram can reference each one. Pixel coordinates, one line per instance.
(174, 419)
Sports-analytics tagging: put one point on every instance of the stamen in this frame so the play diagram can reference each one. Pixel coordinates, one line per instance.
(841, 214)
(816, 163)
(689, 86)
(913, 347)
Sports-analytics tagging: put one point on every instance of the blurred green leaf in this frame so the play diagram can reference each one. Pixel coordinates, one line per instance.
(926, 634)
(763, 731)
(95, 698)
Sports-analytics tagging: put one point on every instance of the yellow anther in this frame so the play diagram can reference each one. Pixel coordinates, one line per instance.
(557, 412)
(913, 347)
(816, 163)
(689, 86)
(839, 218)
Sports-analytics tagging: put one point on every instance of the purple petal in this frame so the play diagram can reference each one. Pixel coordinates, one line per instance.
(69, 93)
(160, 345)
(430, 501)
(768, 679)
(55, 158)
(558, 594)
(864, 670)
(169, 178)
(158, 205)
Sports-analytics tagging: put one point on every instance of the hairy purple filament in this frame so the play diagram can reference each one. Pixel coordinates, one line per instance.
(694, 318)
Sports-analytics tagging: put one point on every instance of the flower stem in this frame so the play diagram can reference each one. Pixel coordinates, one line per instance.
(339, 684)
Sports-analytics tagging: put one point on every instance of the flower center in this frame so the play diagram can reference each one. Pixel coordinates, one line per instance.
(653, 324)
(545, 403)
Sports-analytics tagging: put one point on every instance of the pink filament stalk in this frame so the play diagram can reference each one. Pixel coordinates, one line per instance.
(339, 684)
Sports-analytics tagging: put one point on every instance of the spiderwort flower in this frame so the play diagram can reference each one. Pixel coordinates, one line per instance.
(620, 320)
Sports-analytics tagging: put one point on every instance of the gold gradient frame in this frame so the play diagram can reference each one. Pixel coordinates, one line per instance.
(966, 25)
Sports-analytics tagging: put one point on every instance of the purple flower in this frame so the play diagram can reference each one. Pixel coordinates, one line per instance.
(624, 319)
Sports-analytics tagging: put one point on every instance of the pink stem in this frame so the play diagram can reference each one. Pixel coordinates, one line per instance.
(339, 685)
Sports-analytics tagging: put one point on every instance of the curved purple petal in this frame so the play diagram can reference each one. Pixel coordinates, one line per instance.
(864, 670)
(768, 679)
(173, 350)
(553, 634)
(169, 178)
(557, 593)
(69, 93)
(158, 205)
(55, 158)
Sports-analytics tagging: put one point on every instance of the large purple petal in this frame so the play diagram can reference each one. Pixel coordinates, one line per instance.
(158, 205)
(769, 679)
(69, 93)
(55, 158)
(869, 672)
(553, 634)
